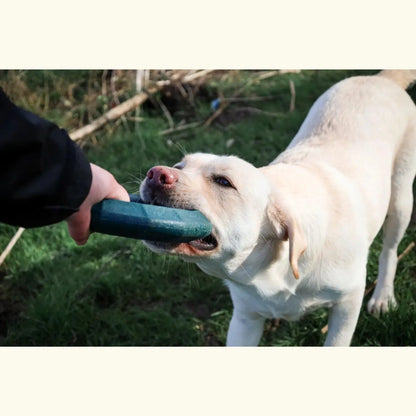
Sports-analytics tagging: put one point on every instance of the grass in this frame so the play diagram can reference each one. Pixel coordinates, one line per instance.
(115, 292)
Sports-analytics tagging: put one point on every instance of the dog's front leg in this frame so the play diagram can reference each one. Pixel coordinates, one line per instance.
(343, 318)
(245, 329)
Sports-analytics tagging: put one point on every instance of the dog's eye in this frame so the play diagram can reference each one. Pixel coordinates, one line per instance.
(179, 166)
(223, 181)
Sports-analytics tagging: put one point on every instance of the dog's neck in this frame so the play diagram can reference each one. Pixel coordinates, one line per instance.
(265, 266)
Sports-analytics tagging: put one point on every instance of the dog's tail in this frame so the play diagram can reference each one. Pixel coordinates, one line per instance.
(403, 78)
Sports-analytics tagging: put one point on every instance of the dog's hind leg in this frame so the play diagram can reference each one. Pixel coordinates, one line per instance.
(397, 220)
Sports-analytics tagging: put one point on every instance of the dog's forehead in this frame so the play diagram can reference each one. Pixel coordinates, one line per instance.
(199, 159)
(215, 162)
(246, 177)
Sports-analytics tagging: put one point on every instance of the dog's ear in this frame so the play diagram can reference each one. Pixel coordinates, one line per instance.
(297, 244)
(288, 228)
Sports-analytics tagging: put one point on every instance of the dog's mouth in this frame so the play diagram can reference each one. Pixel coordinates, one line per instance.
(207, 243)
(195, 248)
(200, 246)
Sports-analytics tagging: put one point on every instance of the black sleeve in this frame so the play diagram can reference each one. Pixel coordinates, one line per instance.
(44, 176)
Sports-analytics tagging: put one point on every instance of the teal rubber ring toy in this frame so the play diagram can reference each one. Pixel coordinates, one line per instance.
(148, 222)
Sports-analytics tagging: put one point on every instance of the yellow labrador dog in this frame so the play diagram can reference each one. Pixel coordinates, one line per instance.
(294, 236)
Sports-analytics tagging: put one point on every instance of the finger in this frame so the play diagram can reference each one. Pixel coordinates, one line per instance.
(118, 192)
(79, 226)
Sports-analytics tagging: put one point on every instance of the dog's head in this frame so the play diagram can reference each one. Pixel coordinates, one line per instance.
(236, 198)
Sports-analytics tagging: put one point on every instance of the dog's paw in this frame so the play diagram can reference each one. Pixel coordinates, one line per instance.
(382, 302)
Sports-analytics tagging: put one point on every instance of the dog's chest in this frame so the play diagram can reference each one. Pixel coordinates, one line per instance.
(285, 304)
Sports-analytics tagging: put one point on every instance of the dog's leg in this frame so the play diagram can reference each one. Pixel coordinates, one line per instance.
(397, 220)
(395, 225)
(244, 329)
(343, 317)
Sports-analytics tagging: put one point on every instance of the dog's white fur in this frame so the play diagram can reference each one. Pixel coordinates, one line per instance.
(294, 236)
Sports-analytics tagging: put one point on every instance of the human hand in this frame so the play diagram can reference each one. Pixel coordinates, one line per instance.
(103, 186)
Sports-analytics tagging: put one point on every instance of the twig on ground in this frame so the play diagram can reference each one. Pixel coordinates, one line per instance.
(258, 111)
(292, 96)
(217, 113)
(11, 244)
(164, 109)
(104, 82)
(142, 79)
(113, 80)
(190, 95)
(405, 252)
(270, 74)
(192, 76)
(254, 98)
(167, 114)
(132, 103)
(111, 115)
(135, 119)
(180, 128)
(182, 90)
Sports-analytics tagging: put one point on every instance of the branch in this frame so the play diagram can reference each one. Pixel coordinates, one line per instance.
(11, 244)
(292, 96)
(180, 128)
(131, 104)
(111, 115)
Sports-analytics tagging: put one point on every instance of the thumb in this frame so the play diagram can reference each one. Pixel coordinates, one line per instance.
(103, 186)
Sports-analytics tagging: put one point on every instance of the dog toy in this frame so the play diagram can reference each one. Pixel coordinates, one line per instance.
(135, 219)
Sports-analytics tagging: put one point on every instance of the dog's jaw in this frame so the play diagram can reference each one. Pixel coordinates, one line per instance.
(192, 249)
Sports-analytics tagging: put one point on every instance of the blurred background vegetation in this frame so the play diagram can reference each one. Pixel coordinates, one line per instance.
(116, 292)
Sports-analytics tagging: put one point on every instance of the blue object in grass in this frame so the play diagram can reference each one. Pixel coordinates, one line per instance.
(215, 104)
(148, 222)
